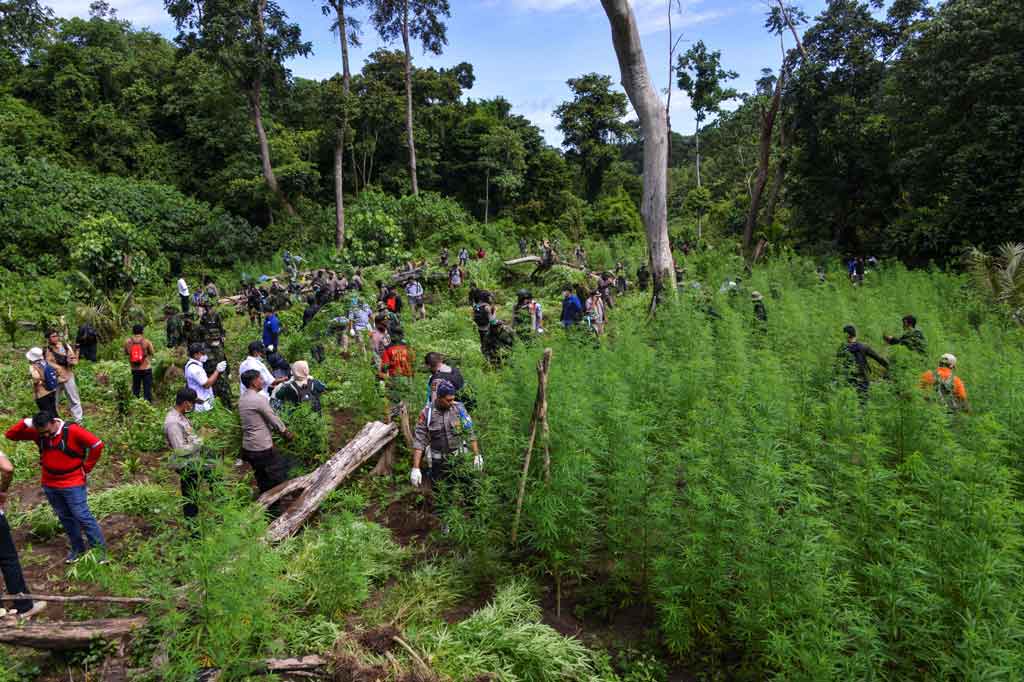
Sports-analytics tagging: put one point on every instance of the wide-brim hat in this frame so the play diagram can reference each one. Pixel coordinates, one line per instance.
(34, 354)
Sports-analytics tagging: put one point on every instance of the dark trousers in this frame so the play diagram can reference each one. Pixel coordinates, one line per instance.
(192, 477)
(451, 483)
(270, 470)
(184, 303)
(88, 351)
(14, 579)
(48, 403)
(72, 509)
(142, 381)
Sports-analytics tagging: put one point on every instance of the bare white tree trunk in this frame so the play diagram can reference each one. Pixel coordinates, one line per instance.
(408, 101)
(339, 143)
(256, 113)
(636, 80)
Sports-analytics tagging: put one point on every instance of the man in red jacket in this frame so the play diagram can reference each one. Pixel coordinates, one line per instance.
(67, 453)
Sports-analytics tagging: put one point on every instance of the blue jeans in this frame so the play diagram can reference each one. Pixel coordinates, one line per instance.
(72, 509)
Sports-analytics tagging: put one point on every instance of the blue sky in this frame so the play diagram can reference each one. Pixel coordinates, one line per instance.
(525, 50)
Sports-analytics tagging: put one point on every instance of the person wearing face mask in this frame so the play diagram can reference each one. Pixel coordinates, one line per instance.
(188, 456)
(198, 380)
(67, 454)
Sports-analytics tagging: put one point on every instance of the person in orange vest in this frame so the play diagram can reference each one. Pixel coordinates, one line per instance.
(947, 385)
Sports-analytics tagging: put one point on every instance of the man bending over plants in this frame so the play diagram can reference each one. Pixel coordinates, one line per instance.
(67, 454)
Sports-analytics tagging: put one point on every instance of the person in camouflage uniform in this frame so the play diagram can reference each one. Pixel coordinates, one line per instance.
(497, 342)
(211, 330)
(190, 329)
(173, 329)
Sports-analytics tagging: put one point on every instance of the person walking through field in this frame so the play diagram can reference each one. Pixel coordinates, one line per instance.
(271, 329)
(912, 337)
(948, 387)
(596, 312)
(10, 565)
(67, 455)
(197, 378)
(44, 381)
(258, 422)
(188, 457)
(443, 435)
(853, 357)
(572, 309)
(63, 359)
(358, 324)
(760, 312)
(255, 361)
(300, 389)
(414, 291)
(86, 341)
(463, 257)
(139, 350)
(183, 294)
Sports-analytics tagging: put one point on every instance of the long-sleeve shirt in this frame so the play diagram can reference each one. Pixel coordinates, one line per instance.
(182, 287)
(62, 469)
(255, 363)
(257, 421)
(572, 310)
(271, 331)
(444, 431)
(855, 356)
(63, 359)
(181, 438)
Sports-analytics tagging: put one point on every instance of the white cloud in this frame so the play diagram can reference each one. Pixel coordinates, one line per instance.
(651, 15)
(141, 13)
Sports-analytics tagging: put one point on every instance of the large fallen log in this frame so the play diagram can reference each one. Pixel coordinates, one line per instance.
(76, 598)
(66, 636)
(320, 483)
(273, 666)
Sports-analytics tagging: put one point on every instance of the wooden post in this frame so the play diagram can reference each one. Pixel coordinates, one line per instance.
(538, 419)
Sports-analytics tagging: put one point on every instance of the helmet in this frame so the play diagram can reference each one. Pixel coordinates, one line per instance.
(948, 360)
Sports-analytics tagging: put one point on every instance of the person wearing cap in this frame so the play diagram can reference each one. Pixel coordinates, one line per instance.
(188, 456)
(357, 324)
(414, 291)
(255, 361)
(301, 389)
(853, 356)
(198, 380)
(950, 388)
(63, 359)
(44, 391)
(444, 432)
(760, 313)
(258, 421)
(912, 337)
(10, 565)
(439, 371)
(67, 454)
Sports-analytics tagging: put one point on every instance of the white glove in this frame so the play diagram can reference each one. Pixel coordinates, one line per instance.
(28, 422)
(221, 366)
(478, 462)
(416, 477)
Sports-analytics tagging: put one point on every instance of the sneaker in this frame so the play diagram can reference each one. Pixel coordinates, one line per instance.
(72, 557)
(101, 556)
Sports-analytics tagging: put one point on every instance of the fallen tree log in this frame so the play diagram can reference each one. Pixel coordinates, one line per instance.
(320, 483)
(273, 666)
(66, 636)
(76, 598)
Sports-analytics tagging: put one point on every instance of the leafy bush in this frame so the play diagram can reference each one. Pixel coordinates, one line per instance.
(144, 500)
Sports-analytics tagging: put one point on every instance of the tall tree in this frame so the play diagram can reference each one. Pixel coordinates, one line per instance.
(636, 80)
(591, 124)
(348, 29)
(250, 40)
(702, 77)
(408, 19)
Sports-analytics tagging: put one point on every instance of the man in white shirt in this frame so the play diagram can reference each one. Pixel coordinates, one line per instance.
(255, 361)
(197, 379)
(183, 294)
(414, 290)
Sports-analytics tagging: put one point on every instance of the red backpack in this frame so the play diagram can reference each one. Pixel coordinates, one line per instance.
(136, 353)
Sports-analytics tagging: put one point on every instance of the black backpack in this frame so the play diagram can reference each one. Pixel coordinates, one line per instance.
(62, 445)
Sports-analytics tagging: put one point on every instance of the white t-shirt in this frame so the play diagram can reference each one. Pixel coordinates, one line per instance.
(182, 287)
(196, 378)
(255, 363)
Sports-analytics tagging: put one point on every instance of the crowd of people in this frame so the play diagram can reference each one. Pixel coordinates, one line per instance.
(270, 386)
